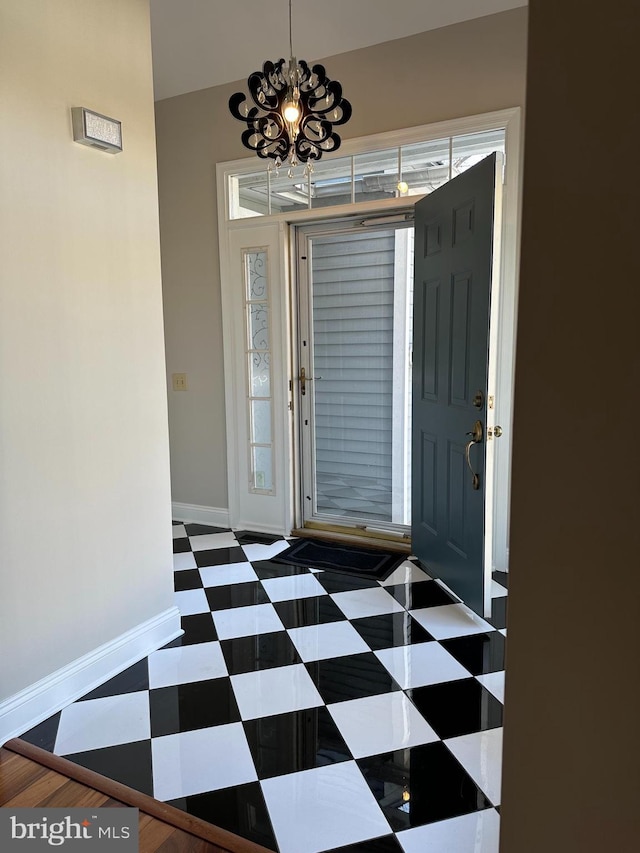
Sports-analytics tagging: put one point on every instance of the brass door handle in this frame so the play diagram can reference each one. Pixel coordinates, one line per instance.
(476, 438)
(304, 379)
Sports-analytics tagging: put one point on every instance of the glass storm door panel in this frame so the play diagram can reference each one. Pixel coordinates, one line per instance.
(355, 351)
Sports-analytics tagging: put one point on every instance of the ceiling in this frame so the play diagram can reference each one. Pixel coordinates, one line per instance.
(202, 43)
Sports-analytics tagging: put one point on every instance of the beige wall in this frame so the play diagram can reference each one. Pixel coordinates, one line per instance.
(468, 68)
(572, 740)
(84, 481)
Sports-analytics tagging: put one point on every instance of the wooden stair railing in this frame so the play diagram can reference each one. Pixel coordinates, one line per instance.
(200, 835)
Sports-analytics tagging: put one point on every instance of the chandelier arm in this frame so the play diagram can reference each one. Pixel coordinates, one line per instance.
(308, 149)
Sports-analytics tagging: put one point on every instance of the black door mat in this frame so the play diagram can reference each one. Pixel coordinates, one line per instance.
(336, 557)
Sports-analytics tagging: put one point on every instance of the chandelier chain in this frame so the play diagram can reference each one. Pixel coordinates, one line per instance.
(290, 32)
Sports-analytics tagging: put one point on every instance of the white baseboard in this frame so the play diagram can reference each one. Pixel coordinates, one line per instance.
(214, 516)
(39, 701)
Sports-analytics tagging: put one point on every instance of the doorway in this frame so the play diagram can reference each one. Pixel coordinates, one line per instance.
(354, 317)
(259, 216)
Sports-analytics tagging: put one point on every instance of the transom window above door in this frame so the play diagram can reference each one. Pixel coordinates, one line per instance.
(413, 169)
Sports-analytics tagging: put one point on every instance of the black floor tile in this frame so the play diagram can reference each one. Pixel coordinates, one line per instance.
(421, 594)
(248, 654)
(237, 595)
(203, 529)
(198, 628)
(421, 785)
(131, 680)
(248, 537)
(300, 740)
(479, 653)
(180, 546)
(502, 578)
(499, 612)
(342, 582)
(44, 734)
(386, 844)
(186, 579)
(128, 763)
(219, 556)
(241, 810)
(192, 706)
(457, 707)
(308, 611)
(350, 677)
(268, 569)
(389, 630)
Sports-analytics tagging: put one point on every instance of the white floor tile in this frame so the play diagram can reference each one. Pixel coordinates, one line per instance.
(184, 561)
(478, 832)
(421, 663)
(97, 723)
(257, 551)
(184, 664)
(381, 723)
(213, 540)
(450, 620)
(322, 809)
(373, 601)
(191, 601)
(497, 590)
(202, 760)
(178, 531)
(328, 640)
(274, 691)
(227, 574)
(406, 573)
(494, 682)
(480, 754)
(293, 586)
(246, 621)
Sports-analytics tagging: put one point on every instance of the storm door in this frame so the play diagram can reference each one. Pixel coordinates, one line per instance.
(354, 373)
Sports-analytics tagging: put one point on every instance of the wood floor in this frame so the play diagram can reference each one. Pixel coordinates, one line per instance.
(31, 777)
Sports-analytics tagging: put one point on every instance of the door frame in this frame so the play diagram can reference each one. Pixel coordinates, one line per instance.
(279, 512)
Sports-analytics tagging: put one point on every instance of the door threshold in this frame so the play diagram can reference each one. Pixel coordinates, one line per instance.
(354, 536)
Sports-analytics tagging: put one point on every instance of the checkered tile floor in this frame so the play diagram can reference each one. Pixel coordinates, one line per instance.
(308, 711)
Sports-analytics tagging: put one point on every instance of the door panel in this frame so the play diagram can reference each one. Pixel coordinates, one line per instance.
(453, 270)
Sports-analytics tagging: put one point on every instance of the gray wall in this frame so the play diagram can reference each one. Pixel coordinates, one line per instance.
(572, 740)
(85, 539)
(461, 70)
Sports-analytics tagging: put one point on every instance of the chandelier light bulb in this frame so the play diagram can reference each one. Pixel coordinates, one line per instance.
(291, 112)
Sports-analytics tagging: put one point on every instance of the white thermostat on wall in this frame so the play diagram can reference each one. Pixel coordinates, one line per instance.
(96, 130)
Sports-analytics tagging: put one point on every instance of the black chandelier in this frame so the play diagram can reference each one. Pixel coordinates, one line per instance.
(291, 112)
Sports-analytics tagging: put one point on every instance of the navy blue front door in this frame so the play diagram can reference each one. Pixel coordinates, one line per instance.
(453, 264)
